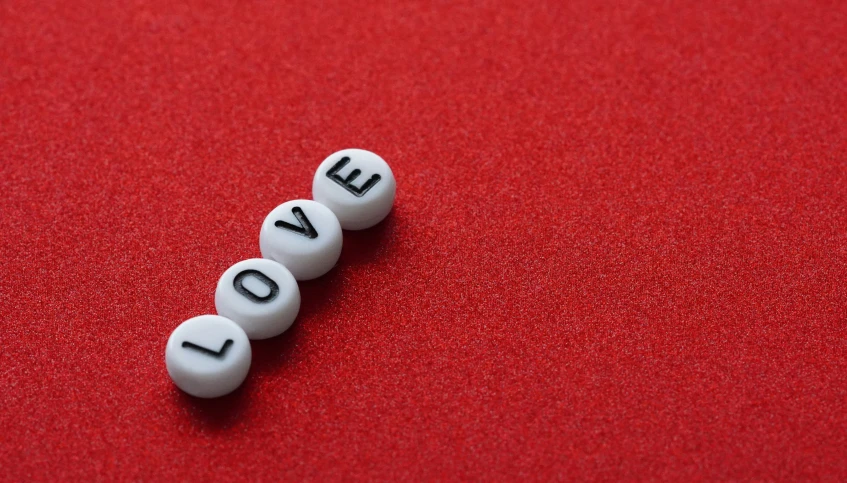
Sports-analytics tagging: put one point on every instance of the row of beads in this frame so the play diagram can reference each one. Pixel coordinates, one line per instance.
(209, 355)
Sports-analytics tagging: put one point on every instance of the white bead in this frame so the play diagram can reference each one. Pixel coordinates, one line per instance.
(208, 356)
(303, 235)
(357, 185)
(260, 295)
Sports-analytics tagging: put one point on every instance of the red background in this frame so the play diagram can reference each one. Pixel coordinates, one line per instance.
(618, 248)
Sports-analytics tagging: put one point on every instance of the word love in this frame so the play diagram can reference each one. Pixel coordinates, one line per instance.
(209, 355)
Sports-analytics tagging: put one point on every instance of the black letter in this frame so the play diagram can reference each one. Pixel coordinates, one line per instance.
(347, 183)
(306, 229)
(218, 355)
(238, 283)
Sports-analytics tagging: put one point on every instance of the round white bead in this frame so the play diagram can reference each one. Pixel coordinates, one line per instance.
(208, 356)
(303, 235)
(357, 185)
(259, 295)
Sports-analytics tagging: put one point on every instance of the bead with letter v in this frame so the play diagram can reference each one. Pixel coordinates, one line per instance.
(308, 247)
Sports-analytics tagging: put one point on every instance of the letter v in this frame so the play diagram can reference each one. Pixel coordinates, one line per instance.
(306, 229)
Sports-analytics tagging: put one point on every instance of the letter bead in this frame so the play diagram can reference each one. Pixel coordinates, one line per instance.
(260, 295)
(303, 235)
(208, 356)
(357, 185)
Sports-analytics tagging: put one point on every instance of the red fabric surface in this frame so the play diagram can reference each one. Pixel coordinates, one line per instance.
(618, 248)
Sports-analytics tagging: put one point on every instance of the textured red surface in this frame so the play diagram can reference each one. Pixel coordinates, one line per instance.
(618, 249)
